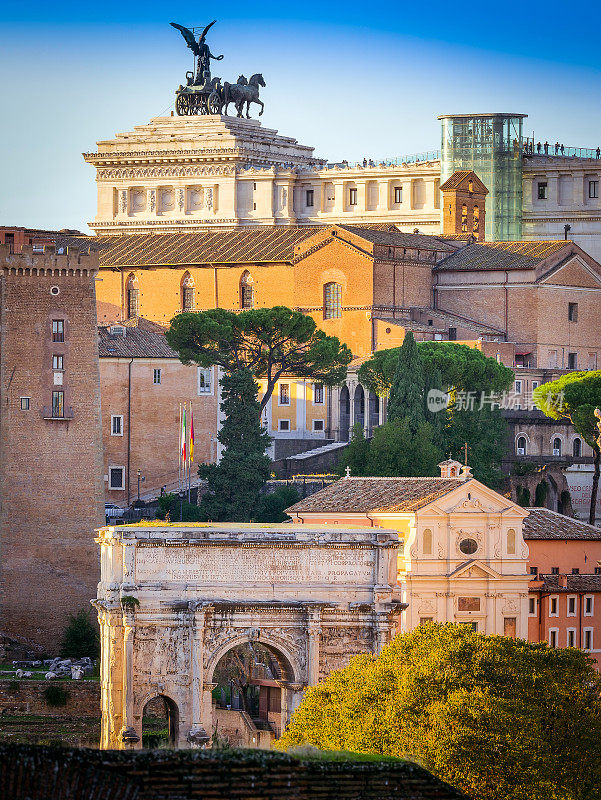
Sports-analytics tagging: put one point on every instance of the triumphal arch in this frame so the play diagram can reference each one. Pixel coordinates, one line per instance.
(173, 599)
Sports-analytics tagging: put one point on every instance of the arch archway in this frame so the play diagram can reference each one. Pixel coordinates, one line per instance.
(132, 297)
(247, 291)
(359, 406)
(344, 414)
(187, 292)
(160, 722)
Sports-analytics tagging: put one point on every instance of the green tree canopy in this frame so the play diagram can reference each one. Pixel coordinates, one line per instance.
(270, 342)
(81, 637)
(499, 718)
(236, 482)
(406, 400)
(574, 397)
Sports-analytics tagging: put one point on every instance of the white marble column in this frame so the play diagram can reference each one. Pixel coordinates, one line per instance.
(314, 642)
(130, 736)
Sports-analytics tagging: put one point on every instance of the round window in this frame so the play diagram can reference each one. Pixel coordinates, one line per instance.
(468, 546)
(54, 290)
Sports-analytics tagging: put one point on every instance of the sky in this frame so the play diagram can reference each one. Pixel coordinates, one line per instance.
(351, 79)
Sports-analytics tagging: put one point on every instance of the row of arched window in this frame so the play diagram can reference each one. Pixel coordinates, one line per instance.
(521, 446)
(332, 295)
(476, 219)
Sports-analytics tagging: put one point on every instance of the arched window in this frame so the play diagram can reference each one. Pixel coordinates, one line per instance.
(133, 297)
(464, 218)
(188, 300)
(520, 445)
(427, 544)
(332, 301)
(557, 446)
(247, 294)
(577, 448)
(476, 219)
(470, 186)
(511, 542)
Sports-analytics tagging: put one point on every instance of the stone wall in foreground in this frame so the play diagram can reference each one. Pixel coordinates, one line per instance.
(45, 773)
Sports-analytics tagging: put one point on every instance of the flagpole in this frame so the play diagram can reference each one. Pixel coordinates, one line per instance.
(190, 450)
(179, 451)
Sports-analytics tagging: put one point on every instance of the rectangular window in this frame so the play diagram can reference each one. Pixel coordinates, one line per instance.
(204, 380)
(552, 359)
(25, 403)
(332, 301)
(58, 404)
(542, 191)
(554, 606)
(597, 570)
(284, 398)
(58, 330)
(284, 425)
(535, 385)
(575, 571)
(318, 425)
(318, 394)
(57, 362)
(572, 361)
(398, 194)
(534, 572)
(554, 570)
(425, 620)
(592, 361)
(310, 198)
(593, 189)
(588, 606)
(352, 197)
(518, 387)
(509, 627)
(588, 639)
(571, 606)
(156, 376)
(553, 637)
(571, 637)
(188, 298)
(117, 478)
(116, 425)
(573, 312)
(532, 606)
(452, 334)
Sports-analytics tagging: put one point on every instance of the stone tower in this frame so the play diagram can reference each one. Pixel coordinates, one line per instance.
(51, 490)
(463, 205)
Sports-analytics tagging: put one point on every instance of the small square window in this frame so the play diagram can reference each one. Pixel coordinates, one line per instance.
(117, 478)
(593, 189)
(116, 425)
(310, 198)
(25, 403)
(284, 425)
(57, 362)
(542, 191)
(156, 377)
(58, 330)
(318, 425)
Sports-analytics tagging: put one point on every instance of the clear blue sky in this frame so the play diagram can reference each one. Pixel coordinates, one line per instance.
(351, 79)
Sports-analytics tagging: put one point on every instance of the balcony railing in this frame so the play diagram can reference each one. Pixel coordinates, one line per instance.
(413, 158)
(49, 413)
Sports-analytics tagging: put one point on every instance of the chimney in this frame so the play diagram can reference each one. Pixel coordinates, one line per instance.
(563, 581)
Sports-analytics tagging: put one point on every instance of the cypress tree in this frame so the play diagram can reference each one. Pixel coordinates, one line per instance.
(236, 482)
(406, 399)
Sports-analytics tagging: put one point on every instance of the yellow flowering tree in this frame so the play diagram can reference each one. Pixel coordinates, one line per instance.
(498, 718)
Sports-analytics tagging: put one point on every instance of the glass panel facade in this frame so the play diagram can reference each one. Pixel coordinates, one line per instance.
(491, 146)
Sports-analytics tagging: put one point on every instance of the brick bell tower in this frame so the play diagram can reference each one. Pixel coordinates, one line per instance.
(463, 203)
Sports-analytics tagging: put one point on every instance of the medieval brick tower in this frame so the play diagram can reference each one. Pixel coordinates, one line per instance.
(463, 205)
(51, 490)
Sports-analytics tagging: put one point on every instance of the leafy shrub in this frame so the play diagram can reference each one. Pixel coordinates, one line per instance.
(271, 507)
(55, 696)
(81, 638)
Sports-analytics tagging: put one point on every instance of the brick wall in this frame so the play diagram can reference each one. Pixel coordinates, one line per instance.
(50, 470)
(28, 698)
(244, 774)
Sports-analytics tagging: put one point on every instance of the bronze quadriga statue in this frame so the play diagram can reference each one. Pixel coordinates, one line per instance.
(203, 94)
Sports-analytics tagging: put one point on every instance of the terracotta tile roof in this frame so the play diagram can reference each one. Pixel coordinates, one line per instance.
(214, 246)
(574, 583)
(455, 179)
(137, 342)
(542, 523)
(398, 239)
(361, 495)
(501, 255)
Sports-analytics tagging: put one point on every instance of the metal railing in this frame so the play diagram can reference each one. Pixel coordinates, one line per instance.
(531, 148)
(48, 413)
(413, 158)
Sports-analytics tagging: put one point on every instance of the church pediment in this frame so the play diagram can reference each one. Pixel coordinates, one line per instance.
(573, 273)
(474, 569)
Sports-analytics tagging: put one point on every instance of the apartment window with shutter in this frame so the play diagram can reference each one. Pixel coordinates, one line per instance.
(542, 191)
(588, 639)
(398, 194)
(58, 404)
(573, 312)
(332, 301)
(572, 361)
(318, 394)
(284, 394)
(593, 189)
(571, 606)
(204, 380)
(571, 637)
(554, 606)
(58, 330)
(116, 477)
(117, 425)
(588, 606)
(553, 637)
(156, 376)
(57, 362)
(352, 200)
(25, 403)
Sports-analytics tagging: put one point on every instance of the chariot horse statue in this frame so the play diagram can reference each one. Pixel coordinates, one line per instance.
(243, 92)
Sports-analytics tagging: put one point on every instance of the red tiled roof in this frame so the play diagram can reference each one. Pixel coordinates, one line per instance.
(542, 523)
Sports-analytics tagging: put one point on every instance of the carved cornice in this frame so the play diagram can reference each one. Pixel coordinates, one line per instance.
(118, 173)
